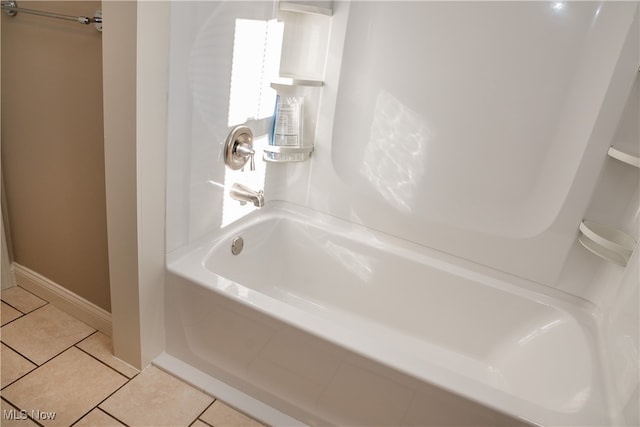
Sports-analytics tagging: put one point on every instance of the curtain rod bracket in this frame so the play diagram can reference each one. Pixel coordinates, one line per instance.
(11, 8)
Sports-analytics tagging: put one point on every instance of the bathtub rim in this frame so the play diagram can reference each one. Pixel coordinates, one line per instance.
(504, 281)
(188, 263)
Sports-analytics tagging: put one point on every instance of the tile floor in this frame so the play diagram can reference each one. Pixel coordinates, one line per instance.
(57, 371)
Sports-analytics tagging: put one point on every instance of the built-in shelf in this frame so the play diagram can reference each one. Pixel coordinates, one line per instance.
(275, 153)
(606, 242)
(286, 6)
(307, 25)
(292, 82)
(624, 157)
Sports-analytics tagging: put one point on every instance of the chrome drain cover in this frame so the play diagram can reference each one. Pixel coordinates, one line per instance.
(236, 245)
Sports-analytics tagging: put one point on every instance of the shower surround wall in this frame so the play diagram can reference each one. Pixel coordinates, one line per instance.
(387, 159)
(490, 147)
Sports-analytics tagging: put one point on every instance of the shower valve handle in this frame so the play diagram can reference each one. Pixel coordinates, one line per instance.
(244, 150)
(238, 148)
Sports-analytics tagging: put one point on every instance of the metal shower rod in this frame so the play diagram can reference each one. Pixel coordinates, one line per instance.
(12, 9)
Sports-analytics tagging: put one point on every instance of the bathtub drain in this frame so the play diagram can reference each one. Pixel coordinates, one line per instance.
(236, 245)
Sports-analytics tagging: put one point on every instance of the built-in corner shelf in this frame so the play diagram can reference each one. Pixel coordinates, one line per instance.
(305, 39)
(281, 82)
(305, 7)
(281, 154)
(624, 157)
(606, 242)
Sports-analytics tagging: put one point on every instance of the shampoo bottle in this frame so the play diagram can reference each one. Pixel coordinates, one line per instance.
(287, 126)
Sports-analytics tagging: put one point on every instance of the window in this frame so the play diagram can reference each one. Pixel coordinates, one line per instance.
(256, 59)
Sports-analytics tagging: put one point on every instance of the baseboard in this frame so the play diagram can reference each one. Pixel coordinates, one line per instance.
(8, 278)
(62, 298)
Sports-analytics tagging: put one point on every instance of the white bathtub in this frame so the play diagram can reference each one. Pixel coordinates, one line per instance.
(309, 292)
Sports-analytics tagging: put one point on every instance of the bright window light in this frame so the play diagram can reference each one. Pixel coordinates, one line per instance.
(256, 59)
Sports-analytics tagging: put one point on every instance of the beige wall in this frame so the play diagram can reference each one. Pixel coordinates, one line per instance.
(52, 147)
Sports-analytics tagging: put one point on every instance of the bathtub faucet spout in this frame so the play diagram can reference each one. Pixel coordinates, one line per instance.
(244, 194)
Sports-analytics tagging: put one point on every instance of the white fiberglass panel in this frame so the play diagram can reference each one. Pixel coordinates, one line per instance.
(431, 316)
(473, 114)
(223, 56)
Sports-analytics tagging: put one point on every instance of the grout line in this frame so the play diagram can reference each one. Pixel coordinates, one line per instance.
(15, 308)
(97, 406)
(66, 349)
(204, 410)
(19, 378)
(59, 353)
(83, 415)
(37, 366)
(106, 398)
(114, 417)
(11, 321)
(30, 311)
(105, 412)
(38, 423)
(22, 355)
(203, 422)
(18, 408)
(30, 293)
(88, 336)
(104, 363)
(101, 410)
(48, 360)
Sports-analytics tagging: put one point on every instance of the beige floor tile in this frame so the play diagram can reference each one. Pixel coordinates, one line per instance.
(97, 418)
(21, 299)
(69, 385)
(199, 423)
(8, 314)
(12, 366)
(221, 415)
(12, 417)
(99, 346)
(155, 398)
(44, 333)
